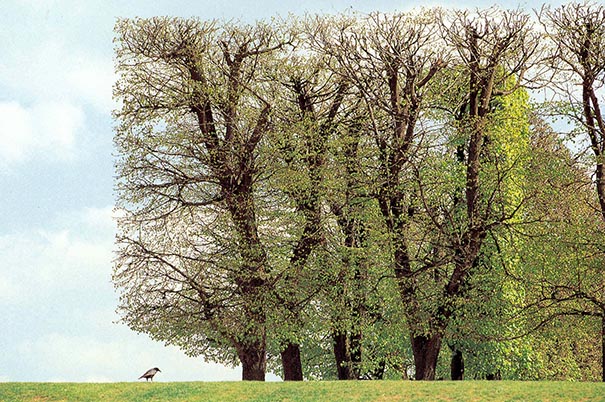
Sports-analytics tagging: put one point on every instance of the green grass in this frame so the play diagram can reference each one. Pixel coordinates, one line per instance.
(307, 391)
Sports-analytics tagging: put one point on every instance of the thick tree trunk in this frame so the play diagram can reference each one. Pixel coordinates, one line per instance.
(291, 363)
(254, 361)
(426, 352)
(342, 355)
(457, 366)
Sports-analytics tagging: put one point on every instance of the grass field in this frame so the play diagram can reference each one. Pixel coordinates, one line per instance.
(306, 391)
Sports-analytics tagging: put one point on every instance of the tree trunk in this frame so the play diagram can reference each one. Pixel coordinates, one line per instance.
(254, 361)
(457, 366)
(342, 355)
(291, 363)
(426, 352)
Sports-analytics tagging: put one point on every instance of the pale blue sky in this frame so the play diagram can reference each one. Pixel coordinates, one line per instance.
(56, 172)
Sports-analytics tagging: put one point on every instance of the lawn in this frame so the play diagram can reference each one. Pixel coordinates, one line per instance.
(306, 391)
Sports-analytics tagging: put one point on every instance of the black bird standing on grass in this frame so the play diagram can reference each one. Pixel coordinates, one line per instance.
(150, 373)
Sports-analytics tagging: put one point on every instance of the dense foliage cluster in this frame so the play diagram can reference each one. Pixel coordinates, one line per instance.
(367, 196)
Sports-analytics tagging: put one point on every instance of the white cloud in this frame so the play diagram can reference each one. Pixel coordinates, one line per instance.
(45, 130)
(93, 82)
(74, 256)
(61, 122)
(103, 218)
(9, 290)
(54, 79)
(15, 131)
(51, 70)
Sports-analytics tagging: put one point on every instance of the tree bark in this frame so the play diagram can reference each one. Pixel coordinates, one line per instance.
(457, 366)
(426, 353)
(291, 363)
(254, 361)
(342, 354)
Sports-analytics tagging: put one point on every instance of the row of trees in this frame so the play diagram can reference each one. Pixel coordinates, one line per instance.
(344, 197)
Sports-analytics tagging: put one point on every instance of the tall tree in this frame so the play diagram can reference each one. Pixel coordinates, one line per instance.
(577, 35)
(492, 47)
(192, 266)
(308, 120)
(391, 61)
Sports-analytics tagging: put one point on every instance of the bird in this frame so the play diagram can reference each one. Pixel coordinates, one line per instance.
(150, 373)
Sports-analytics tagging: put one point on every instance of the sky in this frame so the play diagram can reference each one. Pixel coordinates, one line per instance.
(57, 302)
